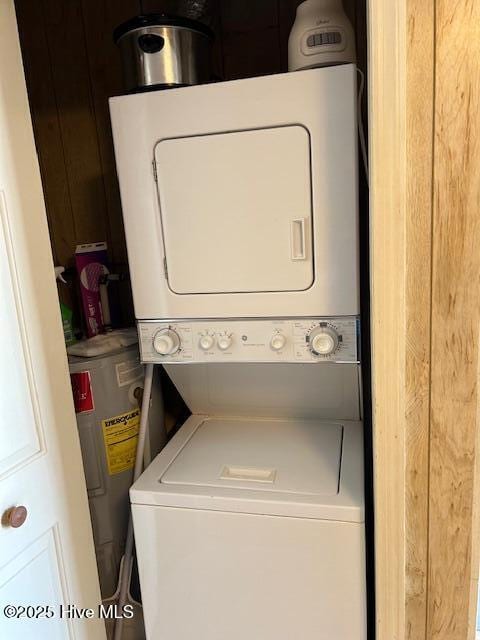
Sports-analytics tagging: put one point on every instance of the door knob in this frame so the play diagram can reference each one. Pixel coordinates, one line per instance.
(14, 517)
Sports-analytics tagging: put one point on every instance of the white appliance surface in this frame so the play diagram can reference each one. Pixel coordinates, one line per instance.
(259, 211)
(250, 209)
(262, 340)
(330, 391)
(251, 528)
(305, 468)
(264, 455)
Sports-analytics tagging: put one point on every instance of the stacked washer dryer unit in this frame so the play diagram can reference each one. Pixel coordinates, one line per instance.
(240, 208)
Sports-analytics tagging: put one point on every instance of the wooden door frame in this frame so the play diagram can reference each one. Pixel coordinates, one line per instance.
(400, 270)
(423, 110)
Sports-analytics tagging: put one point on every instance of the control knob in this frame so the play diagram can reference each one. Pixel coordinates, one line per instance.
(278, 341)
(224, 342)
(166, 342)
(323, 340)
(206, 341)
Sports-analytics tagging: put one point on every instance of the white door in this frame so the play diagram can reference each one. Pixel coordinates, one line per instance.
(49, 559)
(244, 222)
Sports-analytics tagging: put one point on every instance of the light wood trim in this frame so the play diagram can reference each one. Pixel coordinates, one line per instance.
(387, 65)
(455, 321)
(401, 119)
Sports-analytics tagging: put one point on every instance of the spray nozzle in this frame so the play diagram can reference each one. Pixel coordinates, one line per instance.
(58, 274)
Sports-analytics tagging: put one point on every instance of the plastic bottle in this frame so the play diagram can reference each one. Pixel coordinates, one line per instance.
(66, 312)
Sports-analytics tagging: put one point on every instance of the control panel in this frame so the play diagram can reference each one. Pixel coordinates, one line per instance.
(324, 38)
(278, 340)
(327, 39)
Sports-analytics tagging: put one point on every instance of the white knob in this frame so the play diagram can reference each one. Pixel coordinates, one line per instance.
(166, 342)
(278, 341)
(206, 342)
(324, 341)
(224, 342)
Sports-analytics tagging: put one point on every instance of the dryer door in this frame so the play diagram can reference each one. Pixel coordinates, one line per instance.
(236, 211)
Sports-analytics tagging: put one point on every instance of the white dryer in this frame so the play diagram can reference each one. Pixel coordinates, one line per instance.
(240, 198)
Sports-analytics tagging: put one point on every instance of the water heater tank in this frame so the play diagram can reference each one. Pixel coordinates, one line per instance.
(107, 391)
(321, 35)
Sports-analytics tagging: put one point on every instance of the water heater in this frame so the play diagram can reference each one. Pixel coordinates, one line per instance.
(321, 35)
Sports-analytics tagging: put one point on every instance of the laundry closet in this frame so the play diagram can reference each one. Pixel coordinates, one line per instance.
(234, 214)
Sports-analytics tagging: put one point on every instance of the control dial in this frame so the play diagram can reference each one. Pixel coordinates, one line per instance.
(224, 342)
(206, 342)
(278, 341)
(166, 342)
(323, 340)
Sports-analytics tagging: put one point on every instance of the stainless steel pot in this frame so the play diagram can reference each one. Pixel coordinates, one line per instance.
(163, 51)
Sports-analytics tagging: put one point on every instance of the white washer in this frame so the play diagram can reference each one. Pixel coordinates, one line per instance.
(254, 528)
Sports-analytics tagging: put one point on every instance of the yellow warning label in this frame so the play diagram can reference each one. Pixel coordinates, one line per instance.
(120, 434)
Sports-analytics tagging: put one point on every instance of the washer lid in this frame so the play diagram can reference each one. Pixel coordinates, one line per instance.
(291, 457)
(284, 467)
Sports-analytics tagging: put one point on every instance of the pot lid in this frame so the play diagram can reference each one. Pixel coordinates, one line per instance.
(160, 20)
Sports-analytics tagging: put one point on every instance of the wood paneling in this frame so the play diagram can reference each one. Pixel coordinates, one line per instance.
(71, 83)
(72, 66)
(401, 95)
(425, 97)
(48, 135)
(250, 38)
(286, 16)
(455, 319)
(159, 6)
(418, 239)
(104, 67)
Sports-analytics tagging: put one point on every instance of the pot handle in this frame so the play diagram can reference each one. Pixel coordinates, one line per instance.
(150, 43)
